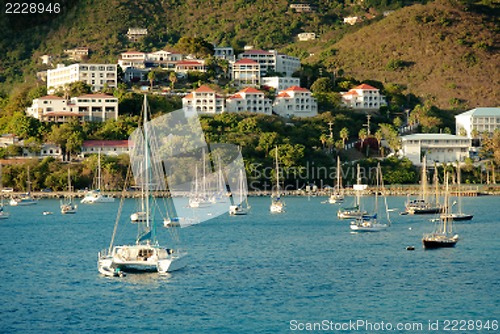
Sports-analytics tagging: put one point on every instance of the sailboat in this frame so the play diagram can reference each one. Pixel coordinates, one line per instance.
(459, 215)
(354, 211)
(67, 205)
(422, 205)
(338, 195)
(443, 236)
(146, 254)
(3, 213)
(242, 207)
(96, 196)
(277, 204)
(24, 199)
(372, 223)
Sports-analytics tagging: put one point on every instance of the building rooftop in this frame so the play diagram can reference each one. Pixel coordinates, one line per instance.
(432, 136)
(488, 111)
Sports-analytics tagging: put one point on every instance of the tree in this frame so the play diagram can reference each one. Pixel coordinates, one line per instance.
(379, 136)
(322, 85)
(267, 140)
(362, 134)
(173, 79)
(195, 46)
(344, 135)
(151, 78)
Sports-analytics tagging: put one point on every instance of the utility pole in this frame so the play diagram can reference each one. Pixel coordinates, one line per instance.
(368, 124)
(330, 124)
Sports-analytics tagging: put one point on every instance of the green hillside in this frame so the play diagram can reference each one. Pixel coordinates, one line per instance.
(442, 51)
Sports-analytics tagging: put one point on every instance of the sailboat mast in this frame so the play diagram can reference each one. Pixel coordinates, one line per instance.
(358, 176)
(277, 174)
(436, 181)
(338, 174)
(146, 161)
(459, 191)
(424, 179)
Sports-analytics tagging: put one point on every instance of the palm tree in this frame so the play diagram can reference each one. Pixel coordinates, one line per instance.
(362, 134)
(344, 135)
(151, 78)
(173, 79)
(379, 136)
(323, 139)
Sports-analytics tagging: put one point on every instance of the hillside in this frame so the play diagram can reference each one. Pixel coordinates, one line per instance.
(441, 52)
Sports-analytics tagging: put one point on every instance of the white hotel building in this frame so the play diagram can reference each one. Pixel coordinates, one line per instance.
(249, 100)
(272, 61)
(95, 75)
(295, 101)
(204, 100)
(479, 119)
(89, 107)
(436, 147)
(364, 98)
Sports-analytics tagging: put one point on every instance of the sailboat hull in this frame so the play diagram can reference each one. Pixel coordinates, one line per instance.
(457, 217)
(439, 241)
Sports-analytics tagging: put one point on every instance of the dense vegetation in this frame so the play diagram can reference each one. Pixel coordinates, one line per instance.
(433, 60)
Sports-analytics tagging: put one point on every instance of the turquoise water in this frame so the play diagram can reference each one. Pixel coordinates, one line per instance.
(259, 273)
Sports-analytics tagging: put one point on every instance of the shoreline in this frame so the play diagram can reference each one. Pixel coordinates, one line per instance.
(396, 190)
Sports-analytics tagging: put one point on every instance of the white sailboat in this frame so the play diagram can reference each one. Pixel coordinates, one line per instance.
(459, 215)
(372, 222)
(354, 211)
(67, 205)
(146, 254)
(338, 192)
(242, 207)
(277, 204)
(96, 196)
(443, 235)
(3, 213)
(24, 199)
(423, 205)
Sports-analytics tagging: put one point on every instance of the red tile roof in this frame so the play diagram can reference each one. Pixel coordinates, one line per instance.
(283, 94)
(365, 87)
(262, 52)
(62, 113)
(236, 96)
(51, 97)
(250, 90)
(296, 89)
(97, 95)
(246, 61)
(204, 89)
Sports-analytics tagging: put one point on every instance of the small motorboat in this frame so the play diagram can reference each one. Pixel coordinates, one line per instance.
(46, 213)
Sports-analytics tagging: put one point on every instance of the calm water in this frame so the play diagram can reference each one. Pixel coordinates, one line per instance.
(248, 274)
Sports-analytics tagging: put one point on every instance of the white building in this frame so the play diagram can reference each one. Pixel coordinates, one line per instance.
(141, 60)
(271, 61)
(224, 52)
(306, 36)
(95, 75)
(133, 59)
(279, 83)
(249, 100)
(479, 119)
(204, 100)
(185, 66)
(287, 65)
(106, 147)
(245, 72)
(89, 107)
(436, 147)
(77, 53)
(363, 97)
(295, 101)
(136, 34)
